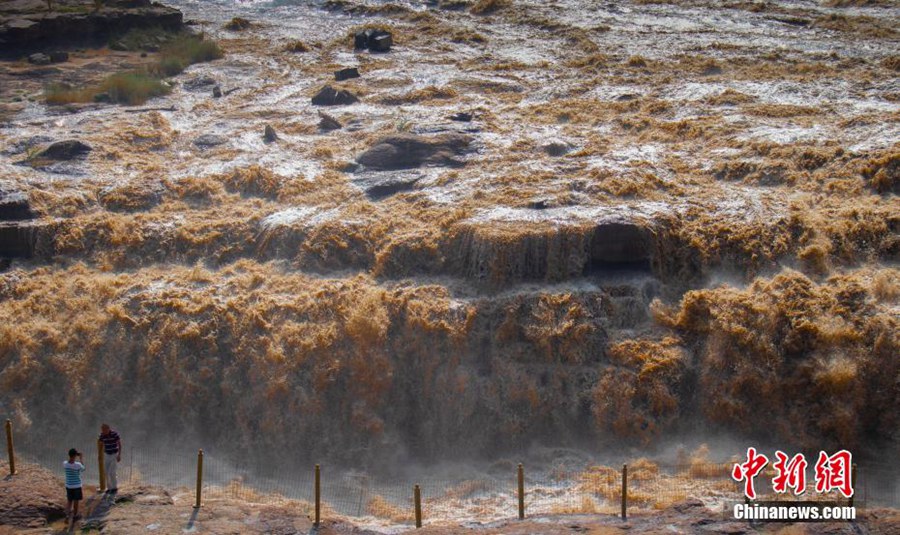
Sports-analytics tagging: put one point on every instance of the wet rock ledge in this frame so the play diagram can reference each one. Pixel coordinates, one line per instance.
(28, 25)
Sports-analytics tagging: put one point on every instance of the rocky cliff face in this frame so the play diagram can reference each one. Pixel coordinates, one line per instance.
(27, 25)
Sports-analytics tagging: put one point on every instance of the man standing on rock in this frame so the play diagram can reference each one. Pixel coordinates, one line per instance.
(73, 468)
(112, 449)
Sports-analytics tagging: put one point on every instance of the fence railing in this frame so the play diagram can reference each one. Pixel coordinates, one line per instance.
(505, 491)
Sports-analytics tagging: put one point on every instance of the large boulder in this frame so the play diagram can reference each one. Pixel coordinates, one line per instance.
(374, 39)
(346, 74)
(557, 148)
(331, 96)
(407, 151)
(269, 134)
(64, 151)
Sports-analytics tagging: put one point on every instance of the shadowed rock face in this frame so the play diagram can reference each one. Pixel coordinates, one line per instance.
(409, 151)
(498, 257)
(26, 24)
(619, 244)
(14, 206)
(19, 239)
(17, 233)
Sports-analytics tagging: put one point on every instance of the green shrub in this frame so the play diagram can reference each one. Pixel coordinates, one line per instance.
(169, 67)
(123, 88)
(133, 88)
(180, 51)
(59, 94)
(192, 49)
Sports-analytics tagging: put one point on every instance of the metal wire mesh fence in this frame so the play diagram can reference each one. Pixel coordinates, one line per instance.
(586, 488)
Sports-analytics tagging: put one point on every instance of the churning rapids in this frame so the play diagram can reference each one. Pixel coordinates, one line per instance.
(666, 221)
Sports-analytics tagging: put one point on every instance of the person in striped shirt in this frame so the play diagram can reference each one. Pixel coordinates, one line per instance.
(112, 449)
(73, 469)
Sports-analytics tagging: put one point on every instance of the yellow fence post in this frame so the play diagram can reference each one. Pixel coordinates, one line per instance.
(853, 483)
(101, 466)
(417, 495)
(624, 491)
(521, 492)
(318, 496)
(9, 448)
(199, 477)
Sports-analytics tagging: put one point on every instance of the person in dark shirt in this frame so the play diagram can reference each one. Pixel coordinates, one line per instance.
(112, 449)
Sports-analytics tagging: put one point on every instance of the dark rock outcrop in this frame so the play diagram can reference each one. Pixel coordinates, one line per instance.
(269, 134)
(26, 25)
(557, 148)
(64, 151)
(330, 96)
(346, 74)
(376, 40)
(463, 117)
(381, 43)
(407, 151)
